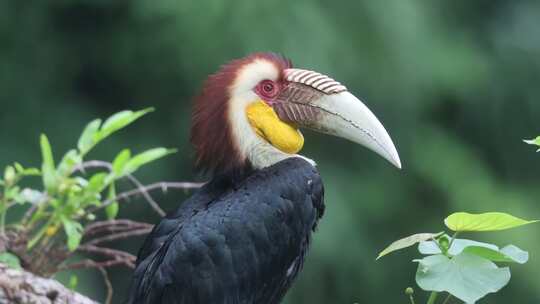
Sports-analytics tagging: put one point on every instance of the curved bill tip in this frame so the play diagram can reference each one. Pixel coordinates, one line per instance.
(393, 157)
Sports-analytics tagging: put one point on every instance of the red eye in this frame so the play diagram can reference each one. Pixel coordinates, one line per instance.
(267, 89)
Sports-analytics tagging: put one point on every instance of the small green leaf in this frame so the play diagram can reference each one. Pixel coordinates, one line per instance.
(119, 121)
(145, 157)
(112, 210)
(120, 161)
(68, 162)
(491, 221)
(9, 175)
(96, 184)
(87, 140)
(50, 179)
(508, 254)
(466, 276)
(73, 282)
(11, 260)
(26, 171)
(407, 242)
(73, 231)
(18, 167)
(535, 142)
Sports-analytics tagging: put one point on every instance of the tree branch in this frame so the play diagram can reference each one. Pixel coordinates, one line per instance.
(19, 286)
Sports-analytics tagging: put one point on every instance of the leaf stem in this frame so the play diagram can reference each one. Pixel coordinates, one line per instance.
(447, 298)
(3, 212)
(432, 297)
(452, 240)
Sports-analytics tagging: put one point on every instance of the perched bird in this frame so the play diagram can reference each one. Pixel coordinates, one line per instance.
(243, 237)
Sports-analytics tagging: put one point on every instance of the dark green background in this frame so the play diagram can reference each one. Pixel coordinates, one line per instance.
(456, 83)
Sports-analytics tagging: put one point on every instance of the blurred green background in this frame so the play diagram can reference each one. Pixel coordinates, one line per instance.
(456, 83)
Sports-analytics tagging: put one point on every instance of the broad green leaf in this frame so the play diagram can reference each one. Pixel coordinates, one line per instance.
(120, 161)
(119, 121)
(87, 139)
(431, 247)
(73, 231)
(508, 254)
(68, 162)
(535, 142)
(491, 221)
(50, 178)
(11, 260)
(407, 242)
(112, 210)
(466, 276)
(145, 157)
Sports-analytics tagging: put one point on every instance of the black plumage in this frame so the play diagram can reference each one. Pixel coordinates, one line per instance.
(235, 241)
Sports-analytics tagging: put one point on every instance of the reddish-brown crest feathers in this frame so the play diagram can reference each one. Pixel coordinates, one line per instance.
(211, 133)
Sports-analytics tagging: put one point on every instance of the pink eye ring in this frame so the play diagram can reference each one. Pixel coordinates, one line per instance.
(267, 89)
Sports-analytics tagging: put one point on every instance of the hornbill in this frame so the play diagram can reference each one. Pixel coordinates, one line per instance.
(243, 237)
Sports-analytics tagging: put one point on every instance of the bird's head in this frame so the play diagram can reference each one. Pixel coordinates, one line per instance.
(249, 114)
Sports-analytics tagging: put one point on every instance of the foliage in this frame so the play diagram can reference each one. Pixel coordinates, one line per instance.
(452, 81)
(73, 192)
(463, 268)
(534, 142)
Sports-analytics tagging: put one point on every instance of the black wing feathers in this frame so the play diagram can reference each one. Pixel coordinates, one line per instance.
(233, 244)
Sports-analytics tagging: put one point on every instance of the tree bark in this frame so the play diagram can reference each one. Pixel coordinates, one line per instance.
(21, 287)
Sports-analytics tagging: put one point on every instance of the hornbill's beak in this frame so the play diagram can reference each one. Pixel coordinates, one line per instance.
(317, 102)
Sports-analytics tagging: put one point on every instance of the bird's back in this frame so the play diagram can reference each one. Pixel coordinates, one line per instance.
(233, 242)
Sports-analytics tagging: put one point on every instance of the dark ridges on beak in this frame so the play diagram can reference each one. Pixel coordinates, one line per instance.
(316, 101)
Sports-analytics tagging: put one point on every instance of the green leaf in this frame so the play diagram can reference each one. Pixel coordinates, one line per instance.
(112, 210)
(73, 282)
(11, 260)
(431, 247)
(96, 184)
(9, 175)
(466, 276)
(491, 221)
(535, 142)
(68, 162)
(26, 171)
(120, 161)
(87, 140)
(407, 242)
(508, 254)
(119, 121)
(73, 231)
(50, 178)
(145, 157)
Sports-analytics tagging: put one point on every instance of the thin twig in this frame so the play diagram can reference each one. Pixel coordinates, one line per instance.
(108, 299)
(108, 252)
(160, 185)
(114, 226)
(146, 195)
(116, 236)
(87, 264)
(135, 181)
(141, 189)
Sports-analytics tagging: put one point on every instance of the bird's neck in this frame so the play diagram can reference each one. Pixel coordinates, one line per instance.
(258, 151)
